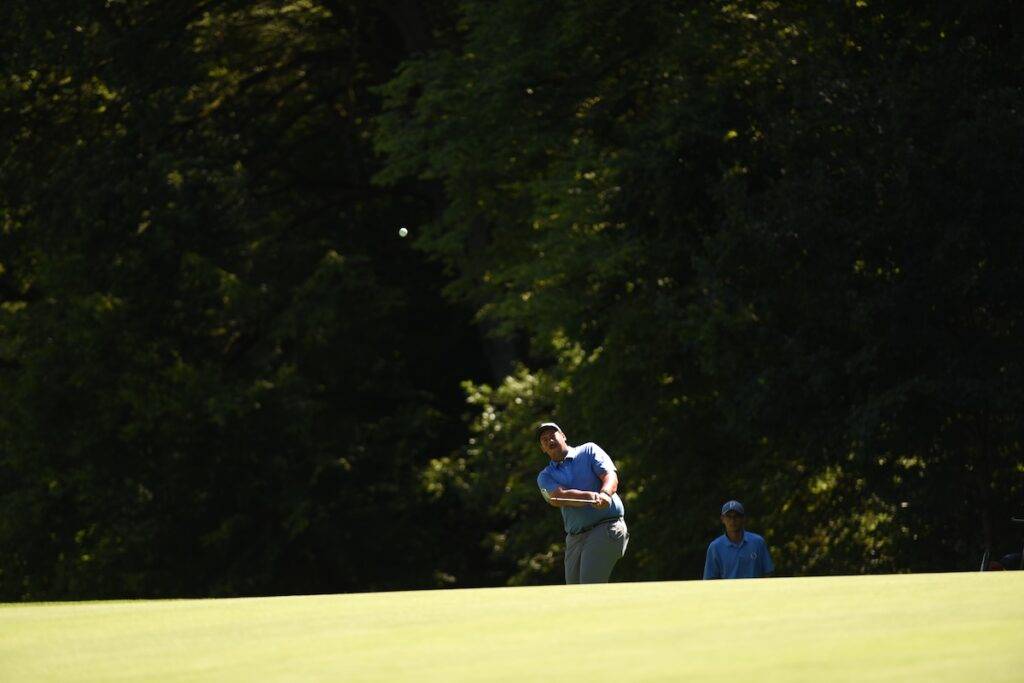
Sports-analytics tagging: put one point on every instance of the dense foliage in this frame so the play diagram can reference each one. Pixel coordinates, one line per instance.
(769, 251)
(754, 249)
(221, 363)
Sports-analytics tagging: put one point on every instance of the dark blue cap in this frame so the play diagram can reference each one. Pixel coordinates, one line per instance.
(733, 505)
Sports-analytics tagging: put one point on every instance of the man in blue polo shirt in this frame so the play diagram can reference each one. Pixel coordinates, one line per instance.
(737, 554)
(582, 481)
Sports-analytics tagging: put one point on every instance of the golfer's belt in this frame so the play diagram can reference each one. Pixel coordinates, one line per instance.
(595, 524)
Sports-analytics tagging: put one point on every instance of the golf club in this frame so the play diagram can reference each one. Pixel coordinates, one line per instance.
(571, 500)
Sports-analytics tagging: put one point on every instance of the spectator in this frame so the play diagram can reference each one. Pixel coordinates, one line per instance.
(737, 554)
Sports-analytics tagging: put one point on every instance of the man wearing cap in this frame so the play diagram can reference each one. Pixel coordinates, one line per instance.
(581, 481)
(737, 554)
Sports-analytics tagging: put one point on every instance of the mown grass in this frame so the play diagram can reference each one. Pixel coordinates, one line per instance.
(930, 627)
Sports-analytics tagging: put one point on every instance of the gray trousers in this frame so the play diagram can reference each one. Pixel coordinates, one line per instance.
(590, 556)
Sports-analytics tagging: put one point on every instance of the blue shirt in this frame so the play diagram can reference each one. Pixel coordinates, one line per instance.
(581, 469)
(748, 559)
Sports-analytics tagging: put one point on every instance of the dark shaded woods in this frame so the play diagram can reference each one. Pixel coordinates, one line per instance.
(761, 250)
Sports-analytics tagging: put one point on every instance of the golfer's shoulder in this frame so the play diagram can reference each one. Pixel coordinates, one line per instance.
(755, 538)
(591, 449)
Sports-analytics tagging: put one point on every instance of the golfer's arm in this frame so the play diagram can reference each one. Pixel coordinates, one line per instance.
(609, 484)
(581, 499)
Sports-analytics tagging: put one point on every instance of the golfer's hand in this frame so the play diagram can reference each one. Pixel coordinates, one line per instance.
(602, 501)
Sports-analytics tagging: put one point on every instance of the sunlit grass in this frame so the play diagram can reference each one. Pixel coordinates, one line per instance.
(930, 627)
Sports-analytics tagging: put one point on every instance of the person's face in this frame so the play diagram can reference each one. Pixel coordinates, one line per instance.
(552, 442)
(733, 521)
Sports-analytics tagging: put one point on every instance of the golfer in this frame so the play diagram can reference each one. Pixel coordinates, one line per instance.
(738, 553)
(581, 480)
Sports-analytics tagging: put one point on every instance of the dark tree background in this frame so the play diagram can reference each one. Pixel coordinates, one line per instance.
(760, 250)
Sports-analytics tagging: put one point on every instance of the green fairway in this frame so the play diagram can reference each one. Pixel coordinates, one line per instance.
(929, 627)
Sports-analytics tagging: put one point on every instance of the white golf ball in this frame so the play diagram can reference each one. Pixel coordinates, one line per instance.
(402, 231)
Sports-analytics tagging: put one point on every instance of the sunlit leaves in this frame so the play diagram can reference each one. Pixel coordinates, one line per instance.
(745, 200)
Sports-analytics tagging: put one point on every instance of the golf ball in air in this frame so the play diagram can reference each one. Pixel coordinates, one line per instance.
(402, 231)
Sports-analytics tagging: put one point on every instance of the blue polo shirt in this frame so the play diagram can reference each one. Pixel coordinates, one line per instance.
(748, 559)
(581, 469)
